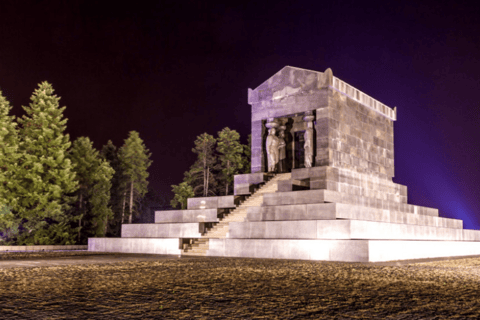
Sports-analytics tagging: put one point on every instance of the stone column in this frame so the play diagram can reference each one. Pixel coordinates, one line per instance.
(309, 139)
(271, 145)
(258, 160)
(322, 156)
(282, 150)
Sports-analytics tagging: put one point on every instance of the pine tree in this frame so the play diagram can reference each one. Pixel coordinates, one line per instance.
(94, 179)
(118, 189)
(230, 155)
(182, 192)
(135, 160)
(247, 156)
(201, 174)
(152, 199)
(9, 156)
(46, 174)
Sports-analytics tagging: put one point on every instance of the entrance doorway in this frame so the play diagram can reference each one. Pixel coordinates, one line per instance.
(299, 152)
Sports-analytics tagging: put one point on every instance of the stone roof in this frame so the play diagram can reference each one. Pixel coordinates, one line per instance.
(297, 81)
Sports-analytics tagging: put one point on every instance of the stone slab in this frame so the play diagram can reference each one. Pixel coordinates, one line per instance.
(292, 185)
(186, 216)
(346, 229)
(300, 197)
(243, 182)
(352, 182)
(341, 250)
(328, 250)
(135, 245)
(353, 212)
(390, 250)
(330, 211)
(323, 211)
(43, 248)
(164, 230)
(211, 202)
(322, 195)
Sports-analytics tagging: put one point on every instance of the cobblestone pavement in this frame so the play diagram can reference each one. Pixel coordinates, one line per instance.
(70, 257)
(229, 288)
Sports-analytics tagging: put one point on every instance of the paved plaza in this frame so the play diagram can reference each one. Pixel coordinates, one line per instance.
(66, 285)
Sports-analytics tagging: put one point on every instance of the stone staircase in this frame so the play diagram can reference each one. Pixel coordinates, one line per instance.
(220, 230)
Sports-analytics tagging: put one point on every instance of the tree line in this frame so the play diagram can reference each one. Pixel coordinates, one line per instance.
(53, 191)
(212, 173)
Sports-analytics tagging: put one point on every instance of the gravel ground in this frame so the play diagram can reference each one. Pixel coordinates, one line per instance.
(230, 288)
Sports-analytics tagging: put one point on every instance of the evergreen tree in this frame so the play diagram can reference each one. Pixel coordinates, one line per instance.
(45, 174)
(94, 179)
(9, 156)
(182, 192)
(201, 174)
(135, 160)
(247, 156)
(152, 199)
(118, 189)
(230, 155)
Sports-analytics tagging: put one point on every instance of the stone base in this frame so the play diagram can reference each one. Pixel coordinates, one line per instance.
(329, 211)
(213, 202)
(346, 229)
(162, 230)
(135, 245)
(244, 183)
(186, 216)
(322, 195)
(341, 250)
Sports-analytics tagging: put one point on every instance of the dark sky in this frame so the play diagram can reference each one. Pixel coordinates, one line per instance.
(173, 70)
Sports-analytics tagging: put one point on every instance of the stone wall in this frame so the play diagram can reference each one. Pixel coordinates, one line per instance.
(352, 183)
(353, 136)
(353, 130)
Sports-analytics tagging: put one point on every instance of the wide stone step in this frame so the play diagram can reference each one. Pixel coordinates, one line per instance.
(194, 253)
(198, 245)
(186, 216)
(135, 245)
(346, 229)
(219, 234)
(322, 195)
(237, 217)
(160, 230)
(332, 211)
(351, 250)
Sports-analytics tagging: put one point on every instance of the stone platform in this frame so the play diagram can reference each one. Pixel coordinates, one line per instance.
(297, 225)
(341, 250)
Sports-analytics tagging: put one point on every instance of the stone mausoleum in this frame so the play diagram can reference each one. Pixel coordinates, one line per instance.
(320, 189)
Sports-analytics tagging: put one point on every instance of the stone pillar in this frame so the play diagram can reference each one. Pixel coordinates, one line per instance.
(322, 156)
(309, 139)
(282, 149)
(258, 159)
(271, 144)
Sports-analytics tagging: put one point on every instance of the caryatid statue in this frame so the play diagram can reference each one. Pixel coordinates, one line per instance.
(282, 161)
(272, 143)
(308, 147)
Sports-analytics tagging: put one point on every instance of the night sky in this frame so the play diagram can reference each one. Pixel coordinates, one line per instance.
(174, 70)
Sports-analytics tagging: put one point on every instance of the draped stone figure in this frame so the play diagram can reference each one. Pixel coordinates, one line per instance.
(308, 145)
(282, 161)
(272, 150)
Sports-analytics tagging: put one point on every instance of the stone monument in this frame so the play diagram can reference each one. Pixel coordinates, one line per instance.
(320, 190)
